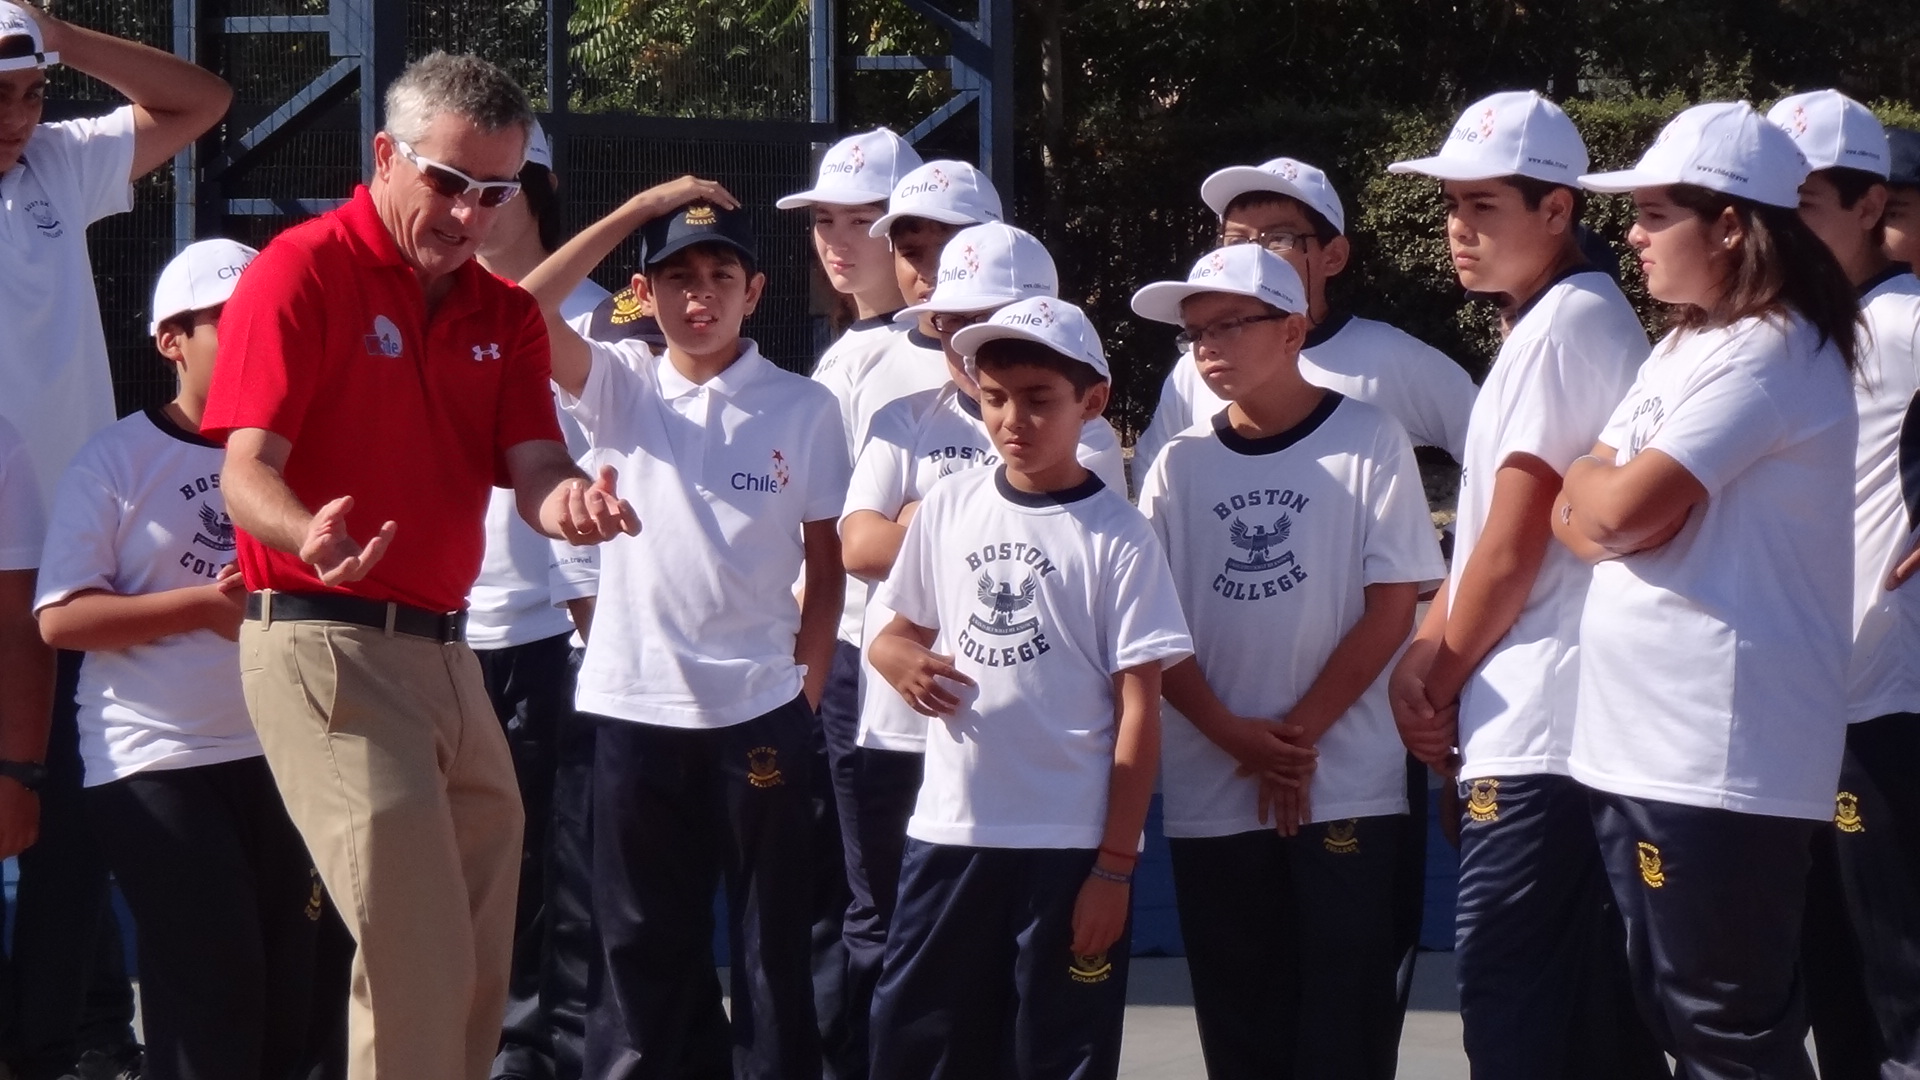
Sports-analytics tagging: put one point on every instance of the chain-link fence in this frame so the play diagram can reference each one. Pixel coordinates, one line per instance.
(657, 89)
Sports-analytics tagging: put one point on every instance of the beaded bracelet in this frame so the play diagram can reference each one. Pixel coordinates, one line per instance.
(1105, 874)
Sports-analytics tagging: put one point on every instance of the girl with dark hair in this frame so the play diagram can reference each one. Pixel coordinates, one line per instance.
(1717, 506)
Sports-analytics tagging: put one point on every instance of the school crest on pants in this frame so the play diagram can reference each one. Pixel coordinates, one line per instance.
(1650, 870)
(763, 767)
(1483, 800)
(1091, 968)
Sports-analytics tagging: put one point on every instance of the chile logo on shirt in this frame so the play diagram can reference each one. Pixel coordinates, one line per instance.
(385, 339)
(1277, 572)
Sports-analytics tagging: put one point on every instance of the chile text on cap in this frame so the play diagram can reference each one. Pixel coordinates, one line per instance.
(987, 266)
(1516, 133)
(1242, 269)
(202, 276)
(859, 170)
(951, 192)
(16, 22)
(1834, 131)
(1282, 176)
(1044, 320)
(1722, 146)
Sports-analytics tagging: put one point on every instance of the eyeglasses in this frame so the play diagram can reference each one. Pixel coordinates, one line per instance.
(1223, 332)
(1273, 240)
(450, 183)
(951, 322)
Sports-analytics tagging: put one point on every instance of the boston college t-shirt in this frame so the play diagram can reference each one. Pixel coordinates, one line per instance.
(140, 511)
(1273, 542)
(1714, 666)
(1041, 600)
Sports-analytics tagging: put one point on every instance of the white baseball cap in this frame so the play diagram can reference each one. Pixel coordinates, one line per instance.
(1723, 146)
(988, 266)
(15, 22)
(1045, 320)
(539, 149)
(1242, 269)
(953, 192)
(857, 171)
(1834, 132)
(202, 276)
(1283, 176)
(1516, 133)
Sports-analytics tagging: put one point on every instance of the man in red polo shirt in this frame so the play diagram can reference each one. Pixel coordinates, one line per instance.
(373, 382)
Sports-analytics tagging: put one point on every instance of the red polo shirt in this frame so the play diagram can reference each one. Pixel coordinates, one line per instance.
(328, 342)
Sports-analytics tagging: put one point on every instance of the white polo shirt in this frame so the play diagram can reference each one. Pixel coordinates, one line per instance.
(140, 511)
(1361, 359)
(1041, 600)
(1273, 542)
(1885, 675)
(23, 519)
(1713, 668)
(914, 442)
(1567, 363)
(510, 603)
(696, 622)
(53, 351)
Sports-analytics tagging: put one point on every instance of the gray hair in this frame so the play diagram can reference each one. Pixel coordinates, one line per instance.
(461, 84)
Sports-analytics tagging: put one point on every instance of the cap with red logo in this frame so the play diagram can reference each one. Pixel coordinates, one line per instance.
(1834, 131)
(15, 22)
(1282, 176)
(1043, 320)
(951, 192)
(987, 266)
(1242, 269)
(859, 170)
(1724, 146)
(1515, 133)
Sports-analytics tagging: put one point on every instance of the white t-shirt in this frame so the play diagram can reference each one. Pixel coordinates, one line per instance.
(1567, 363)
(697, 619)
(1273, 542)
(23, 520)
(1713, 668)
(913, 443)
(875, 363)
(53, 352)
(509, 603)
(1041, 600)
(139, 511)
(1885, 676)
(1362, 359)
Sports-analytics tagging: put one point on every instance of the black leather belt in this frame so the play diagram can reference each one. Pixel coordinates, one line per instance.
(272, 607)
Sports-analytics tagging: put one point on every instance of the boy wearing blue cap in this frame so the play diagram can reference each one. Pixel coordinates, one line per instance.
(705, 670)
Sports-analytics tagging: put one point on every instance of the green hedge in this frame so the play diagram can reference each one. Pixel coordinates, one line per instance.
(1133, 214)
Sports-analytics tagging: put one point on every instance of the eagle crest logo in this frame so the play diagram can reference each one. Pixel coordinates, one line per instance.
(1002, 601)
(1258, 542)
(218, 527)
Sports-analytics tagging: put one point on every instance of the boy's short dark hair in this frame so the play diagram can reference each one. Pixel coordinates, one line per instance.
(719, 249)
(1002, 353)
(536, 186)
(1323, 229)
(895, 227)
(181, 324)
(1852, 185)
(1533, 191)
(15, 46)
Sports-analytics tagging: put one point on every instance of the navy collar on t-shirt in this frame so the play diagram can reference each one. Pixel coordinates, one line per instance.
(1040, 500)
(1325, 332)
(1273, 444)
(1892, 271)
(1580, 268)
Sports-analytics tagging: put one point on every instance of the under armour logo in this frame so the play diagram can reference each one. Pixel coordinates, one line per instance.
(491, 351)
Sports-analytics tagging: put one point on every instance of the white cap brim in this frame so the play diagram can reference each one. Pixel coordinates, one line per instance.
(971, 302)
(29, 61)
(1161, 300)
(970, 338)
(1444, 168)
(932, 213)
(1219, 190)
(1624, 180)
(800, 200)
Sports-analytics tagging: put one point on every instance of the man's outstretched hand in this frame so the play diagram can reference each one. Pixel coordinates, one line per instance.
(338, 557)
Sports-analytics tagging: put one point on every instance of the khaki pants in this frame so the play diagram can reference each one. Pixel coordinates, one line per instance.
(394, 769)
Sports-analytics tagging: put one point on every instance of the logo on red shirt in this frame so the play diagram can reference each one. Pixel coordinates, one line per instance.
(490, 351)
(385, 339)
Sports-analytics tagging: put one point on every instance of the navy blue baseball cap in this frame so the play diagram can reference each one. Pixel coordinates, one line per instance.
(622, 316)
(696, 223)
(1904, 162)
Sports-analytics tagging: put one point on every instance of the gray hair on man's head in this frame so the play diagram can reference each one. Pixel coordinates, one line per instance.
(457, 83)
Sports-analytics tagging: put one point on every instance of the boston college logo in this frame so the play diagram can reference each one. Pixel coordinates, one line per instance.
(1257, 542)
(1001, 602)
